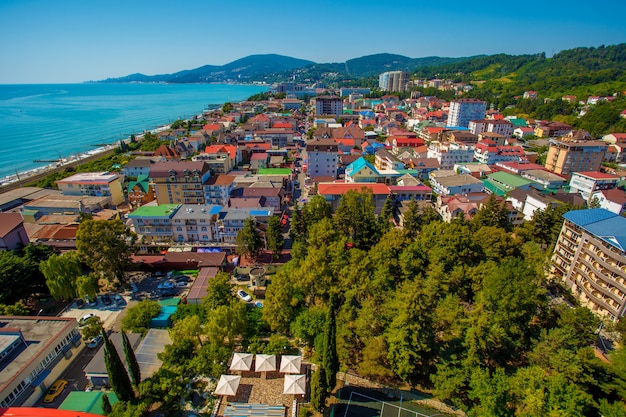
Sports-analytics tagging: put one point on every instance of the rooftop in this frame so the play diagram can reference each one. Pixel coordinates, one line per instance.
(603, 224)
(162, 210)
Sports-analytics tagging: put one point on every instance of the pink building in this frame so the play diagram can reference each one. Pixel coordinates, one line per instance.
(12, 232)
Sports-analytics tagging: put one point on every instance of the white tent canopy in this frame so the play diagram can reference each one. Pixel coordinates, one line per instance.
(265, 363)
(290, 364)
(227, 385)
(241, 362)
(294, 384)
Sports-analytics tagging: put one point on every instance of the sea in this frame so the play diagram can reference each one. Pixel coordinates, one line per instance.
(58, 122)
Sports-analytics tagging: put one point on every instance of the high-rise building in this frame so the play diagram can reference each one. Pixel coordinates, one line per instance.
(575, 156)
(394, 81)
(464, 110)
(328, 105)
(590, 259)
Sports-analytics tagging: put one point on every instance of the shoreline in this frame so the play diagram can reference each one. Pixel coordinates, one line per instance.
(17, 179)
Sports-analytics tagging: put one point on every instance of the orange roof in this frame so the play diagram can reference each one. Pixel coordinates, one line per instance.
(334, 188)
(213, 126)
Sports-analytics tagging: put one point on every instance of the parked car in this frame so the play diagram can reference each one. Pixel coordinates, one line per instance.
(169, 292)
(244, 296)
(55, 390)
(182, 278)
(169, 284)
(118, 300)
(159, 274)
(84, 319)
(106, 299)
(93, 343)
(80, 303)
(92, 303)
(182, 284)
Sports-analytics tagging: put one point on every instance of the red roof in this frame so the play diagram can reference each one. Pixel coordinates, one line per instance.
(214, 126)
(597, 175)
(334, 188)
(8, 222)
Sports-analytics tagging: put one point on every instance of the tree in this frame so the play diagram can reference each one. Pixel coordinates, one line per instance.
(137, 319)
(219, 292)
(15, 275)
(189, 327)
(356, 219)
(61, 272)
(87, 286)
(297, 231)
(248, 239)
(104, 246)
(492, 213)
(131, 360)
(283, 300)
(316, 209)
(106, 405)
(118, 378)
(386, 216)
(319, 389)
(330, 362)
(274, 236)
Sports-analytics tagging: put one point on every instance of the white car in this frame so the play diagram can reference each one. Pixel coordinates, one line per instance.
(167, 285)
(84, 319)
(244, 296)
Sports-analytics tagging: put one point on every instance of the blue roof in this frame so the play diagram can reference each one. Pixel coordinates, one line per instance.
(359, 164)
(601, 223)
(215, 210)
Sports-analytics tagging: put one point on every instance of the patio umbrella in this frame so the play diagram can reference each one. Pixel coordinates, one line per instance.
(290, 364)
(241, 362)
(264, 364)
(227, 385)
(295, 384)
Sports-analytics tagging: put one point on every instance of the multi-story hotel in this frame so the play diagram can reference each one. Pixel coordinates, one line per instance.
(322, 158)
(328, 105)
(575, 156)
(590, 260)
(179, 182)
(95, 184)
(464, 110)
(394, 81)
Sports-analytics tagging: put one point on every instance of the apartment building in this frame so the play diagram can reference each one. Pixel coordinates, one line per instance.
(576, 156)
(394, 81)
(586, 183)
(179, 182)
(94, 184)
(464, 110)
(322, 158)
(590, 260)
(328, 105)
(450, 153)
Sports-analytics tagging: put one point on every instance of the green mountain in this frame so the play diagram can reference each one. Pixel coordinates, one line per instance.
(372, 65)
(248, 69)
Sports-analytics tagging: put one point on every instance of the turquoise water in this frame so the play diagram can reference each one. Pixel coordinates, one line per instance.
(47, 122)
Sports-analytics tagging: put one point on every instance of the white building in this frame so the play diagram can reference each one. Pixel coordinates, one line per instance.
(322, 158)
(464, 110)
(393, 81)
(586, 183)
(450, 153)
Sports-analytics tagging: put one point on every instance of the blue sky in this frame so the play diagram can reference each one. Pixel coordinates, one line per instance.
(65, 41)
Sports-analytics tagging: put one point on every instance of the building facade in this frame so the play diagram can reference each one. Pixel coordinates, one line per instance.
(179, 182)
(590, 260)
(95, 184)
(328, 105)
(575, 156)
(322, 158)
(464, 110)
(586, 183)
(394, 81)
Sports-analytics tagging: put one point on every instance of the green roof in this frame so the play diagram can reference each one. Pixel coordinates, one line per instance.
(163, 210)
(174, 301)
(509, 180)
(274, 171)
(518, 122)
(29, 212)
(142, 182)
(87, 402)
(494, 188)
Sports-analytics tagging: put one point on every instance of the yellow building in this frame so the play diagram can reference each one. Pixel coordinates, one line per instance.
(590, 260)
(577, 156)
(95, 184)
(179, 182)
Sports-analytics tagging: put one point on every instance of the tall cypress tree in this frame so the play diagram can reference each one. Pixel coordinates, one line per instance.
(117, 372)
(131, 360)
(106, 405)
(330, 361)
(319, 390)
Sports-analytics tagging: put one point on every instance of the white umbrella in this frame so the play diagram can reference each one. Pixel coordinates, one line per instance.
(265, 363)
(241, 362)
(290, 364)
(227, 385)
(294, 384)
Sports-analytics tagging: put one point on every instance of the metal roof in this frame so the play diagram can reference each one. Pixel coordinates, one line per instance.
(601, 223)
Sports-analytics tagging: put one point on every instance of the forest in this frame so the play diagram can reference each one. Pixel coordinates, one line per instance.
(463, 310)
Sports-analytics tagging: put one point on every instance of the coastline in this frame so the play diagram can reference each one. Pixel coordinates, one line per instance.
(17, 179)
